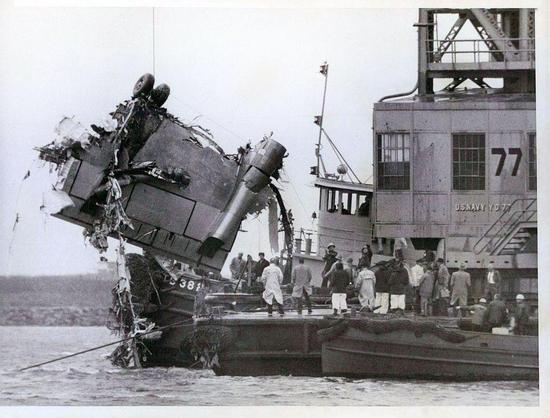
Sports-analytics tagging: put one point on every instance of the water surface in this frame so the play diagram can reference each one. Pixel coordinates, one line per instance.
(90, 379)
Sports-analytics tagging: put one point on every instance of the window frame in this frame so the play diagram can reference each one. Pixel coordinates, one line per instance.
(391, 149)
(465, 164)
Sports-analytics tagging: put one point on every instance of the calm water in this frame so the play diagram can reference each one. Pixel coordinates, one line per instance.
(90, 379)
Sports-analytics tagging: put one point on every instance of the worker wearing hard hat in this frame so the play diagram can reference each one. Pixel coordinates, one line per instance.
(329, 259)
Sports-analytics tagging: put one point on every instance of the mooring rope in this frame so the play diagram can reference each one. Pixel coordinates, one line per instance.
(176, 324)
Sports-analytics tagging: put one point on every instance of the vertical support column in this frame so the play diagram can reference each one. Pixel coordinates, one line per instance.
(524, 46)
(422, 52)
(524, 33)
(430, 45)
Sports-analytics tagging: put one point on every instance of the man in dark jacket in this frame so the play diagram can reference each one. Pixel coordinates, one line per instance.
(496, 314)
(261, 264)
(329, 259)
(366, 257)
(399, 279)
(475, 321)
(339, 282)
(382, 289)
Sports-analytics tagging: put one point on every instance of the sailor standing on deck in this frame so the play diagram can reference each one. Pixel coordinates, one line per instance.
(272, 277)
(496, 314)
(366, 257)
(365, 284)
(350, 269)
(441, 288)
(249, 268)
(399, 279)
(301, 278)
(382, 289)
(521, 316)
(237, 266)
(261, 264)
(425, 290)
(329, 259)
(460, 282)
(417, 271)
(339, 281)
(492, 282)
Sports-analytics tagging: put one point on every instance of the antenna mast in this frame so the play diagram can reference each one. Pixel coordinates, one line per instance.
(319, 121)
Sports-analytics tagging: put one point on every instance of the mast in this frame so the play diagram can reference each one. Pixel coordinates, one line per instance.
(319, 119)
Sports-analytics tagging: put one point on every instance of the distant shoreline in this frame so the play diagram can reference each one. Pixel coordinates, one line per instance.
(53, 316)
(79, 300)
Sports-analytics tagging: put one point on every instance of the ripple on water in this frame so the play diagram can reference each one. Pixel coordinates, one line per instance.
(90, 379)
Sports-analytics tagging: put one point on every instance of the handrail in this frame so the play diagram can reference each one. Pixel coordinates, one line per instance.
(526, 51)
(480, 40)
(499, 222)
(511, 220)
(513, 227)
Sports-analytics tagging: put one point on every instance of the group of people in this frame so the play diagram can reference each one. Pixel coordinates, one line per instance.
(249, 270)
(378, 291)
(426, 287)
(437, 290)
(270, 274)
(272, 278)
(485, 316)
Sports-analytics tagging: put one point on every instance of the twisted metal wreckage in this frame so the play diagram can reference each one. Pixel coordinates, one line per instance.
(146, 178)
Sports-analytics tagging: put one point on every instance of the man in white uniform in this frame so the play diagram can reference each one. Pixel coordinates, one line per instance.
(492, 282)
(365, 284)
(272, 277)
(417, 271)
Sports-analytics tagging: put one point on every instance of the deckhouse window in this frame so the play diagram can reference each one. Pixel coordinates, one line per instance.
(469, 162)
(393, 161)
(532, 162)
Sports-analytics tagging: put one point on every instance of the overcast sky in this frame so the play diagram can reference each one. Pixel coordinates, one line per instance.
(246, 71)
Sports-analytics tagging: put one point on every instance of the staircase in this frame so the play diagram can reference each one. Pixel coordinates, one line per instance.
(509, 234)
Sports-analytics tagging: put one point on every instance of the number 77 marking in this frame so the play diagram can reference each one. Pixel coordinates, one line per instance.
(518, 154)
(502, 152)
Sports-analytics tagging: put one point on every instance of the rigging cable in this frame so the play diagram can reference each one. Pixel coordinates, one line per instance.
(295, 191)
(338, 151)
(174, 325)
(201, 114)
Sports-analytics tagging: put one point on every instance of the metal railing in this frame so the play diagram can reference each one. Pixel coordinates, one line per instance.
(300, 247)
(478, 51)
(504, 225)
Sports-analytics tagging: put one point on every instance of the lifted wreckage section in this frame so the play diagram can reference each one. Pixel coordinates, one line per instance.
(148, 179)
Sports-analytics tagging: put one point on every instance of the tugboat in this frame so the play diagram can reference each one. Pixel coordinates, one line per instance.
(454, 174)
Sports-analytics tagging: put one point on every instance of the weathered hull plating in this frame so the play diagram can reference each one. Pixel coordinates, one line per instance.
(292, 346)
(402, 354)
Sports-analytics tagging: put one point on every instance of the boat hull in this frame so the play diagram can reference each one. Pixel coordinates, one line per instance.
(405, 354)
(263, 346)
